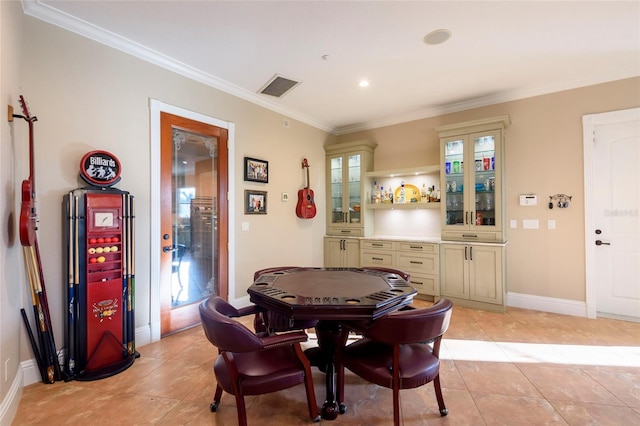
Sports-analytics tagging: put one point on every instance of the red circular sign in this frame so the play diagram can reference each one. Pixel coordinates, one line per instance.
(100, 168)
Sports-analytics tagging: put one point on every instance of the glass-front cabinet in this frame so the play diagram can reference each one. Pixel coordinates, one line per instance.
(472, 165)
(347, 164)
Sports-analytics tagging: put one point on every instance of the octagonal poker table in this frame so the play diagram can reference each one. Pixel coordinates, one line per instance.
(331, 295)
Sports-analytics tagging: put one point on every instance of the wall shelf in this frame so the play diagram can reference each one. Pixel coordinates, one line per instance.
(405, 206)
(413, 171)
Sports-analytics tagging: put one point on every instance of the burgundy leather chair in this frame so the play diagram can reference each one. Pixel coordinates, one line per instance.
(399, 350)
(251, 364)
(274, 322)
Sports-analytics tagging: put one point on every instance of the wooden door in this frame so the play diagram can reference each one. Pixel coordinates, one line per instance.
(193, 218)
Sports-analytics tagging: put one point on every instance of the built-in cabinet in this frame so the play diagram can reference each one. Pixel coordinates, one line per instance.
(341, 252)
(346, 167)
(419, 259)
(472, 275)
(472, 211)
(472, 164)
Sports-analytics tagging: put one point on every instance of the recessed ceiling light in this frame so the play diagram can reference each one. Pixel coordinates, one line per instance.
(437, 36)
(363, 83)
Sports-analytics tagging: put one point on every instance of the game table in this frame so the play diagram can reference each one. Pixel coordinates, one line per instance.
(331, 296)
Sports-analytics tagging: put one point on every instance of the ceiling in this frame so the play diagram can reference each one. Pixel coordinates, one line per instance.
(498, 50)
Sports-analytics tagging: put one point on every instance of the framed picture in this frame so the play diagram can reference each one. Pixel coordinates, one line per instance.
(255, 202)
(256, 170)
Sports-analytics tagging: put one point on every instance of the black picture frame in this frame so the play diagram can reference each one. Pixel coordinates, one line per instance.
(255, 202)
(256, 170)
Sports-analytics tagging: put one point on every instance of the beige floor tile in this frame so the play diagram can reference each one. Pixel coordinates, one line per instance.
(567, 384)
(496, 378)
(516, 410)
(579, 414)
(520, 367)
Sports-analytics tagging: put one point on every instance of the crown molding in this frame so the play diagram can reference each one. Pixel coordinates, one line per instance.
(514, 95)
(56, 17)
(93, 32)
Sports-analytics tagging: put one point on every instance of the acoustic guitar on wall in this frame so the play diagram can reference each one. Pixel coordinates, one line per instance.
(306, 207)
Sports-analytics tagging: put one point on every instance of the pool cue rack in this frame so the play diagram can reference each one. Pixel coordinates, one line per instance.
(100, 326)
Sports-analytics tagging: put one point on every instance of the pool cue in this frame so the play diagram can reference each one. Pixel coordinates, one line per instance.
(132, 276)
(125, 266)
(34, 344)
(73, 264)
(50, 340)
(48, 373)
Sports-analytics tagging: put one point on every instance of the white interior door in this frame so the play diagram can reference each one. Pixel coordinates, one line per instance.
(613, 236)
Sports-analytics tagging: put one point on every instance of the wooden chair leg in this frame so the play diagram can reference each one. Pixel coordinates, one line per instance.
(441, 406)
(396, 406)
(216, 399)
(242, 410)
(308, 384)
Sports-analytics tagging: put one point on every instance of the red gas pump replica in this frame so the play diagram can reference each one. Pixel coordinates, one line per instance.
(100, 326)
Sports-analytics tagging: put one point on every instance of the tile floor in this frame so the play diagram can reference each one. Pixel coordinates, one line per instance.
(519, 368)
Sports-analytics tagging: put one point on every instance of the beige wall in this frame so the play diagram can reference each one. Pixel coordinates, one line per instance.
(543, 157)
(88, 96)
(12, 278)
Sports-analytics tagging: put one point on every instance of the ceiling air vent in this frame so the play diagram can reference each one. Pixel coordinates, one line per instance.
(278, 86)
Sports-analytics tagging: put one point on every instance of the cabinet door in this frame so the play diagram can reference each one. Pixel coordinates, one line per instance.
(336, 194)
(455, 209)
(351, 253)
(485, 274)
(454, 273)
(333, 252)
(485, 181)
(341, 253)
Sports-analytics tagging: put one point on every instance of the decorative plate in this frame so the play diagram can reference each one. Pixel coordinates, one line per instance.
(411, 192)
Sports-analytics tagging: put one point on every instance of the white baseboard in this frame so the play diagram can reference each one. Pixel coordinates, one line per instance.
(29, 368)
(547, 304)
(9, 406)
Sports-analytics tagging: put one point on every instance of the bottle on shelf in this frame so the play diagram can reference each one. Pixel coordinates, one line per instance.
(424, 197)
(402, 198)
(377, 192)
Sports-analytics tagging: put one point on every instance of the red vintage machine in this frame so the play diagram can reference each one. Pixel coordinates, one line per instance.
(100, 327)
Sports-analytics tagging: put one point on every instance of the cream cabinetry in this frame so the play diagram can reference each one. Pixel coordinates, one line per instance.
(419, 259)
(473, 211)
(346, 166)
(341, 252)
(472, 275)
(472, 180)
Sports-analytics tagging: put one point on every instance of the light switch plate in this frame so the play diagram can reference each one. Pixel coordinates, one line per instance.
(513, 223)
(551, 224)
(245, 226)
(530, 224)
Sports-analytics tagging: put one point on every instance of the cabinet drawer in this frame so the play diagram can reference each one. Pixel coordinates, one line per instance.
(426, 284)
(420, 263)
(377, 244)
(418, 247)
(345, 231)
(376, 258)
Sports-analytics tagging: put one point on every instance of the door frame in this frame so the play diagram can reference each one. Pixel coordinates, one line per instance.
(589, 124)
(155, 241)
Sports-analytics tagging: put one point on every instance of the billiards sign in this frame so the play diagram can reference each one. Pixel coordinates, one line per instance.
(100, 168)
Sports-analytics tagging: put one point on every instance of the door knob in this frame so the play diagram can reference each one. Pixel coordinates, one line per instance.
(600, 243)
(167, 249)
